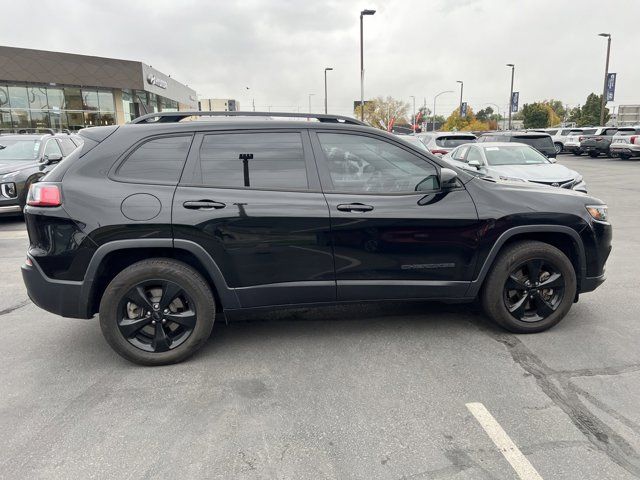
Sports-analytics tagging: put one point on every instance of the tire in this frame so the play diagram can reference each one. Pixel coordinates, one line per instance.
(159, 336)
(558, 147)
(594, 154)
(496, 295)
(577, 153)
(624, 156)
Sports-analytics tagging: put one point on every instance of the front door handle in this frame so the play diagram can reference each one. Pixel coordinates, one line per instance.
(203, 205)
(354, 207)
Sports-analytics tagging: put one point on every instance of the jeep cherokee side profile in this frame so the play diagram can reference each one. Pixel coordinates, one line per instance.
(160, 225)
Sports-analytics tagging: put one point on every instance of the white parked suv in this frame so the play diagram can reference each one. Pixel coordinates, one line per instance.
(626, 143)
(441, 143)
(572, 143)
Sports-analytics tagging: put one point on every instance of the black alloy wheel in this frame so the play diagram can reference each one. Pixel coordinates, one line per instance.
(534, 290)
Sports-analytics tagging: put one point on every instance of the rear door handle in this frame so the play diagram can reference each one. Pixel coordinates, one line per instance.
(354, 207)
(203, 205)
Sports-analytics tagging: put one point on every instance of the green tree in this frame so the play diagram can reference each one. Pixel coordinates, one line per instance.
(557, 106)
(535, 115)
(484, 115)
(590, 111)
(468, 123)
(379, 111)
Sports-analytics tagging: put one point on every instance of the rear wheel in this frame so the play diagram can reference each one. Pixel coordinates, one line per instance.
(157, 312)
(594, 154)
(558, 147)
(577, 152)
(624, 156)
(530, 288)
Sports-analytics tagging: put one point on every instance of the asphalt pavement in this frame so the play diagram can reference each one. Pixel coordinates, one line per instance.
(358, 392)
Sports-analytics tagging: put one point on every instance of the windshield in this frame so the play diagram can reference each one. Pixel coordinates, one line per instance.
(513, 155)
(19, 149)
(454, 141)
(540, 143)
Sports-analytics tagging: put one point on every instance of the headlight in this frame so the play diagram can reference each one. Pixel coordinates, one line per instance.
(578, 179)
(8, 190)
(512, 179)
(598, 212)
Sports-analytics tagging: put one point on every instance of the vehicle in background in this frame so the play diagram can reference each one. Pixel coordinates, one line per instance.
(516, 162)
(572, 144)
(413, 140)
(441, 143)
(538, 140)
(599, 142)
(24, 159)
(559, 135)
(626, 143)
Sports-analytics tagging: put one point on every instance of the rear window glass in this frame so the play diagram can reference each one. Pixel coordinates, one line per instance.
(158, 160)
(588, 131)
(544, 143)
(454, 141)
(552, 132)
(254, 160)
(626, 131)
(610, 131)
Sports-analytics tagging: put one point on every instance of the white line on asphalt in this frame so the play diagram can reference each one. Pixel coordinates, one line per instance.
(11, 234)
(511, 452)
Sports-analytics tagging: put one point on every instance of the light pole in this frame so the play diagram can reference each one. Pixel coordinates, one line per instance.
(325, 87)
(461, 88)
(513, 68)
(253, 101)
(362, 14)
(310, 95)
(433, 114)
(413, 115)
(606, 74)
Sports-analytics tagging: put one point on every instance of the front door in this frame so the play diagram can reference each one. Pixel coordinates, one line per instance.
(395, 233)
(253, 200)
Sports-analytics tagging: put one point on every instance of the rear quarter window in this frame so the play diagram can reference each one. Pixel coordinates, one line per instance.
(536, 142)
(158, 160)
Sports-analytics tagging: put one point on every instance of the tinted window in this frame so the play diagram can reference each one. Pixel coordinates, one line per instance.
(565, 131)
(541, 143)
(454, 140)
(610, 131)
(67, 146)
(255, 160)
(552, 132)
(160, 159)
(361, 164)
(588, 131)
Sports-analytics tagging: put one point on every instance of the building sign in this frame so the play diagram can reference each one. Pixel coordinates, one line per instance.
(514, 101)
(611, 86)
(158, 82)
(463, 109)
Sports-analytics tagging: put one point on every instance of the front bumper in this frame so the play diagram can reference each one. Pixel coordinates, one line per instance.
(62, 297)
(10, 209)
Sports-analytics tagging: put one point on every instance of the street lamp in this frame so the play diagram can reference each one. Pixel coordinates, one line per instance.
(325, 87)
(310, 95)
(413, 115)
(606, 74)
(513, 68)
(433, 117)
(461, 88)
(362, 14)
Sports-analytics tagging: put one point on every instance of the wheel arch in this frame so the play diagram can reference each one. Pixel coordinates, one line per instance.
(564, 238)
(113, 257)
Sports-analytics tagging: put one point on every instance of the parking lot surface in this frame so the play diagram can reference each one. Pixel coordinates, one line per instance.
(357, 392)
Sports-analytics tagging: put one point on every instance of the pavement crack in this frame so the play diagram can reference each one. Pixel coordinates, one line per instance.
(17, 306)
(558, 387)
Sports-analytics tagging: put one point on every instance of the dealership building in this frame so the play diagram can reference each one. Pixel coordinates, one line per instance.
(41, 89)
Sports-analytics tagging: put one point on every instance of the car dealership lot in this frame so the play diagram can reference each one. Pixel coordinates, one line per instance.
(350, 392)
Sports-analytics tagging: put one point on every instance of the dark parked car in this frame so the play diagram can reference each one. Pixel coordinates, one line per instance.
(25, 158)
(538, 140)
(161, 225)
(599, 142)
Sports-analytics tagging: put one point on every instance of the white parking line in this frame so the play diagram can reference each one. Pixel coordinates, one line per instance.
(511, 452)
(11, 234)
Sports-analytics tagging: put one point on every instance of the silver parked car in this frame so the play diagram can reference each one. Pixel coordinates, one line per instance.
(517, 162)
(441, 143)
(626, 143)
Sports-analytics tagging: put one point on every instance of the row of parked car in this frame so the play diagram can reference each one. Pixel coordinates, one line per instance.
(622, 142)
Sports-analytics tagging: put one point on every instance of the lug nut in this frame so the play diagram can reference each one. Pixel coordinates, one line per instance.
(148, 314)
(156, 306)
(153, 322)
(166, 310)
(164, 320)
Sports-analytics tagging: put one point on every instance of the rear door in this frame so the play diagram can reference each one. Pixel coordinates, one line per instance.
(252, 199)
(395, 233)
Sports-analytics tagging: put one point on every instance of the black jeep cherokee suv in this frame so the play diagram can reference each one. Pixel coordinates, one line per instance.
(162, 224)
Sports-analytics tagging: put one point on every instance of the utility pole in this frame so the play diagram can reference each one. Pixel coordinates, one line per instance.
(413, 115)
(362, 14)
(461, 88)
(325, 87)
(606, 74)
(513, 68)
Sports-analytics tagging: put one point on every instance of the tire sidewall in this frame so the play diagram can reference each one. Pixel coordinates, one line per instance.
(194, 285)
(493, 294)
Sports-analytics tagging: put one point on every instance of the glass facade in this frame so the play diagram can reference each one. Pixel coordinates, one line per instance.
(38, 106)
(133, 100)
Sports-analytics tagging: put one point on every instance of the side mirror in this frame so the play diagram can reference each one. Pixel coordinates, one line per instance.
(553, 159)
(448, 178)
(51, 158)
(475, 164)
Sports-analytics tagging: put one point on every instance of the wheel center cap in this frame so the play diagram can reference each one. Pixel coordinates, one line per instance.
(156, 315)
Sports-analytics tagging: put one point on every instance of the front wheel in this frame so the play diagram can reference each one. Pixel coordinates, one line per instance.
(157, 312)
(530, 288)
(558, 147)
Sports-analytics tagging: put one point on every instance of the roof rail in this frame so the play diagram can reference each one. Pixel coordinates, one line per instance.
(173, 117)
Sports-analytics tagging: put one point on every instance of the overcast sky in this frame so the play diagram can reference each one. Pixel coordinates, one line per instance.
(279, 48)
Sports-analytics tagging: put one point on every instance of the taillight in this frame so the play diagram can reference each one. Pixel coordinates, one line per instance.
(439, 152)
(634, 139)
(44, 195)
(580, 139)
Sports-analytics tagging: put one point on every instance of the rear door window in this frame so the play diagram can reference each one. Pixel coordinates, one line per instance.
(539, 143)
(52, 148)
(159, 160)
(271, 160)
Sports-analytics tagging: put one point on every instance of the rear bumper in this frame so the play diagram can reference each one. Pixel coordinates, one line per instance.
(64, 298)
(624, 149)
